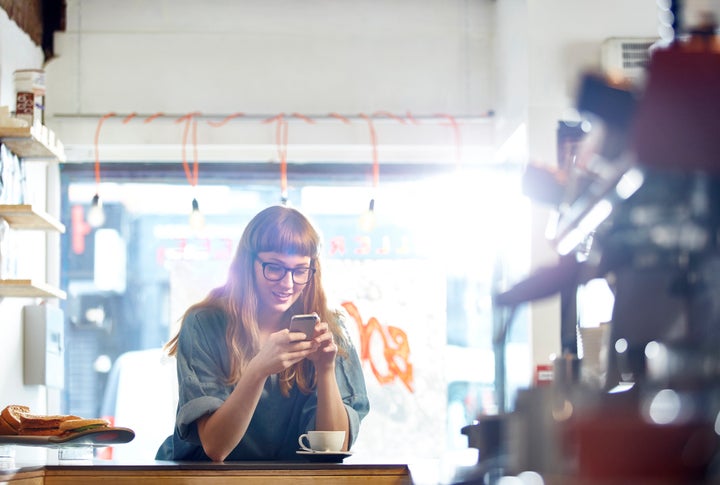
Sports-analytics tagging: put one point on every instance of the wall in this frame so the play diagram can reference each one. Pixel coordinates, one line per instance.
(37, 253)
(279, 56)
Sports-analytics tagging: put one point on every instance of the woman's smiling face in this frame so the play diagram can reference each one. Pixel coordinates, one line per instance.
(276, 297)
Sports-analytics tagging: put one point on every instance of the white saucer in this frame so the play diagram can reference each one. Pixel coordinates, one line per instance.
(324, 456)
(334, 453)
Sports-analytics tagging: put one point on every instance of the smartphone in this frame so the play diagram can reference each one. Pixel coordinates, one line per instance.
(305, 324)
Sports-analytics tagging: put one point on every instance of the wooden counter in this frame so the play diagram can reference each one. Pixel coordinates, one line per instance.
(186, 473)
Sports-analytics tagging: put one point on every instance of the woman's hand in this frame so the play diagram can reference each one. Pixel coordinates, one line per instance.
(282, 350)
(331, 413)
(221, 431)
(326, 348)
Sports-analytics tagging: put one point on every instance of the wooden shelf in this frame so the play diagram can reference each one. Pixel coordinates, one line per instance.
(23, 216)
(33, 143)
(29, 288)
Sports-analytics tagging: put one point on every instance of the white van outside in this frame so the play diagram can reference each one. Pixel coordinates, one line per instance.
(142, 395)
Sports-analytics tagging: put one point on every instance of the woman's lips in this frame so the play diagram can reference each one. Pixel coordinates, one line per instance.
(282, 297)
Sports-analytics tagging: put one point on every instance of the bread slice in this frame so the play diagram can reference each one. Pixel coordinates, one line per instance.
(11, 415)
(40, 421)
(79, 425)
(5, 428)
(16, 419)
(42, 425)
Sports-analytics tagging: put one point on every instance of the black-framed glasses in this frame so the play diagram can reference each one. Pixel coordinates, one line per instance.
(276, 272)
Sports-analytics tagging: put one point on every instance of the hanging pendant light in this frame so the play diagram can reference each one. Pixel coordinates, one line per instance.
(96, 214)
(367, 218)
(196, 219)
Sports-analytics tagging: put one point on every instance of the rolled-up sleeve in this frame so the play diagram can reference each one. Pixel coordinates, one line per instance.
(202, 367)
(352, 389)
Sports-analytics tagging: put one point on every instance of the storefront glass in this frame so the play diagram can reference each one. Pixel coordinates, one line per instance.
(416, 285)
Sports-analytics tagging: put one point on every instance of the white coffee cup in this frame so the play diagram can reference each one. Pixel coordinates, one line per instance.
(322, 441)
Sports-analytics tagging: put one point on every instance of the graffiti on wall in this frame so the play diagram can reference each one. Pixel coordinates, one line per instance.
(395, 351)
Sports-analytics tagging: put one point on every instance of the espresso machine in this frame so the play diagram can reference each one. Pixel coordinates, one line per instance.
(640, 207)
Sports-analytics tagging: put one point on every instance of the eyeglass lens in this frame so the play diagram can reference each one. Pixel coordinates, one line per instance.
(276, 272)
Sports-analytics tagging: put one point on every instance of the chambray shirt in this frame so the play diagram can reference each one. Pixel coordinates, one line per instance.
(203, 363)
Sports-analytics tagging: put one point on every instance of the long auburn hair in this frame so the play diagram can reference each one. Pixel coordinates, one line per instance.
(275, 229)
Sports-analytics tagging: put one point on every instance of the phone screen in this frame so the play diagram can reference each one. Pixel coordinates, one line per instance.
(305, 324)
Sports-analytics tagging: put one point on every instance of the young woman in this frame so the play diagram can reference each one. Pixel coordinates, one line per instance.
(248, 387)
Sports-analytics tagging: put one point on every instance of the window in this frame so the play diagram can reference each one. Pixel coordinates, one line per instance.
(441, 243)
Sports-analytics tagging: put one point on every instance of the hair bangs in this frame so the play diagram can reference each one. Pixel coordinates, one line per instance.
(289, 235)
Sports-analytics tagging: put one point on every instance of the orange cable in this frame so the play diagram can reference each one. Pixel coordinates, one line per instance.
(153, 117)
(283, 167)
(373, 140)
(281, 139)
(186, 168)
(225, 120)
(304, 118)
(340, 117)
(97, 149)
(189, 120)
(389, 115)
(278, 135)
(456, 134)
(196, 166)
(411, 118)
(188, 116)
(277, 117)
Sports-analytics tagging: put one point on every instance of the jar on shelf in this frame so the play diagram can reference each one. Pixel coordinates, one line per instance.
(30, 95)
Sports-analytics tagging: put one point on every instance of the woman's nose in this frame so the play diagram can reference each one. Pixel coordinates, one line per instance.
(287, 280)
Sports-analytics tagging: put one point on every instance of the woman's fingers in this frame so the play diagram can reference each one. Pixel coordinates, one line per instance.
(284, 349)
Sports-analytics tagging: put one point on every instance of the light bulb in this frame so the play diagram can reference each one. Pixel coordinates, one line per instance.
(367, 219)
(96, 214)
(197, 220)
